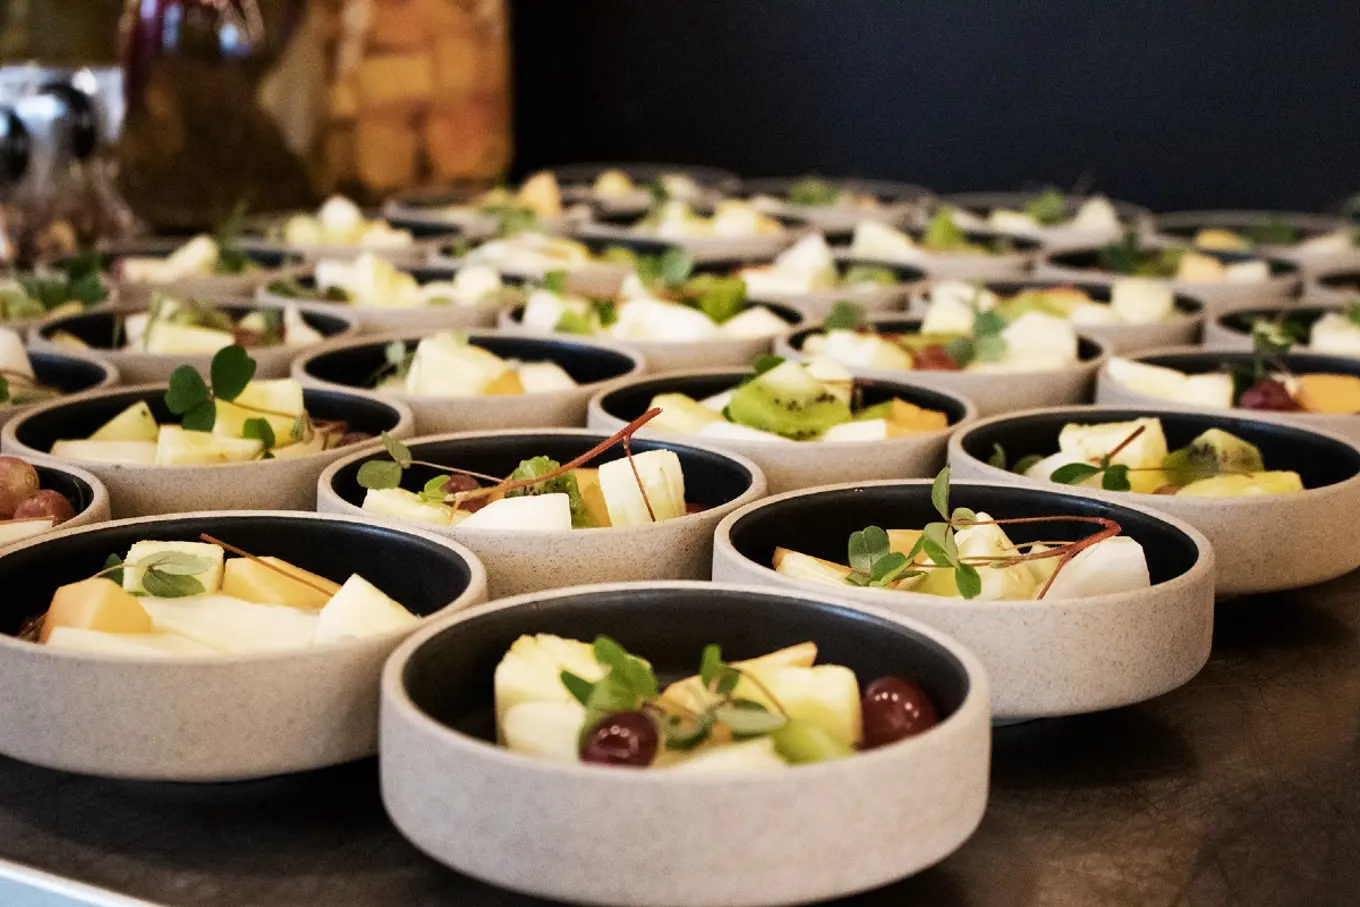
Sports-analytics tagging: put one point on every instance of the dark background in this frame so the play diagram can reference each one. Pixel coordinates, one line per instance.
(1172, 104)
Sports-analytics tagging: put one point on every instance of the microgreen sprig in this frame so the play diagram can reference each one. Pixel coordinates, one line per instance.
(170, 574)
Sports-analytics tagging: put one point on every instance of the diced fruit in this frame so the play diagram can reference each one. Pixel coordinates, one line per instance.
(950, 314)
(13, 356)
(823, 695)
(446, 365)
(231, 625)
(531, 671)
(360, 609)
(757, 755)
(1212, 452)
(270, 581)
(1044, 469)
(18, 483)
(1138, 300)
(541, 195)
(1335, 333)
(689, 693)
(756, 322)
(143, 554)
(788, 401)
(507, 383)
(858, 430)
(1268, 395)
(548, 730)
(1152, 380)
(1247, 272)
(1214, 390)
(1232, 486)
(905, 418)
(544, 378)
(168, 338)
(539, 512)
(95, 604)
(588, 482)
(45, 504)
(1195, 267)
(1092, 442)
(126, 453)
(661, 477)
(1217, 238)
(903, 540)
(628, 739)
(279, 402)
(681, 413)
(1114, 565)
(998, 583)
(731, 431)
(1327, 393)
(797, 565)
(868, 351)
(801, 742)
(141, 645)
(401, 504)
(834, 376)
(177, 447)
(136, 423)
(286, 449)
(1038, 341)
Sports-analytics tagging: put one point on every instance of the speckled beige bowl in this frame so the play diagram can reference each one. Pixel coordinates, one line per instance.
(223, 717)
(594, 364)
(272, 265)
(1197, 360)
(380, 319)
(669, 356)
(98, 329)
(1184, 328)
(1062, 236)
(788, 836)
(1184, 225)
(796, 464)
(1309, 533)
(1045, 658)
(1334, 286)
(1282, 285)
(990, 392)
(70, 372)
(1232, 330)
(281, 484)
(533, 560)
(86, 493)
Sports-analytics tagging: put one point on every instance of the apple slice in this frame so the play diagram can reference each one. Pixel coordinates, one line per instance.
(548, 730)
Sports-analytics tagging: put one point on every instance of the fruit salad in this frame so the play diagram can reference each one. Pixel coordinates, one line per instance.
(19, 385)
(1261, 385)
(188, 598)
(954, 304)
(815, 192)
(446, 364)
(26, 508)
(1134, 456)
(230, 419)
(1279, 232)
(614, 185)
(731, 218)
(189, 327)
(339, 222)
(808, 266)
(1046, 210)
(968, 555)
(372, 282)
(1180, 264)
(942, 236)
(1335, 332)
(527, 252)
(68, 288)
(663, 301)
(789, 401)
(564, 700)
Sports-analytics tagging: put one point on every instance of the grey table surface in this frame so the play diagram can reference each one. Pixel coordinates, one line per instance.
(1242, 789)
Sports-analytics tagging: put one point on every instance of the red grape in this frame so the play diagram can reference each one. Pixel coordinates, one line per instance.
(1269, 395)
(45, 503)
(934, 358)
(623, 738)
(895, 709)
(18, 480)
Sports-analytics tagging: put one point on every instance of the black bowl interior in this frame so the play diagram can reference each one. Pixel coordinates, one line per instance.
(1100, 292)
(1089, 260)
(421, 574)
(1087, 349)
(355, 366)
(788, 314)
(629, 402)
(69, 374)
(161, 247)
(820, 523)
(81, 418)
(99, 329)
(74, 489)
(450, 675)
(711, 480)
(1241, 321)
(423, 229)
(1319, 461)
(1341, 280)
(1298, 363)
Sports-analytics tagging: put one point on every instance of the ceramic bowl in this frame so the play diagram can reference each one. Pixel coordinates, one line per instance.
(593, 364)
(98, 330)
(990, 392)
(71, 373)
(897, 204)
(1335, 286)
(871, 297)
(796, 464)
(981, 266)
(1060, 236)
(1184, 225)
(1198, 360)
(221, 717)
(378, 319)
(847, 825)
(1045, 658)
(534, 560)
(577, 181)
(279, 484)
(87, 495)
(1282, 285)
(271, 264)
(1233, 329)
(1183, 329)
(1316, 522)
(666, 356)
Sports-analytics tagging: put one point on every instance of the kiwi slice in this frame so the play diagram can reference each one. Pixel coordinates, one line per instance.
(788, 401)
(1214, 452)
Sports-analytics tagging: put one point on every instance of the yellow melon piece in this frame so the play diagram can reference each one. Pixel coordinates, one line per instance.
(588, 480)
(1218, 238)
(1323, 392)
(95, 604)
(909, 419)
(254, 581)
(506, 383)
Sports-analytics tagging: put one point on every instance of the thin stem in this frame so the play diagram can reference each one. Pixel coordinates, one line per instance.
(759, 685)
(1127, 441)
(461, 472)
(642, 489)
(268, 566)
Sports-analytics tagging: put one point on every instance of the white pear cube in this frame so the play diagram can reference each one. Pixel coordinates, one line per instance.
(658, 474)
(360, 609)
(1213, 390)
(547, 730)
(536, 512)
(445, 365)
(140, 645)
(177, 447)
(1092, 442)
(731, 431)
(1113, 565)
(401, 504)
(1139, 300)
(755, 323)
(865, 430)
(1141, 378)
(864, 351)
(544, 377)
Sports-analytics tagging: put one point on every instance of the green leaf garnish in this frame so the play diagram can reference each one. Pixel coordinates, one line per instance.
(998, 457)
(813, 192)
(632, 672)
(378, 475)
(939, 494)
(720, 298)
(578, 687)
(862, 274)
(684, 734)
(968, 581)
(259, 429)
(397, 450)
(187, 390)
(232, 368)
(1073, 473)
(1115, 478)
(844, 316)
(555, 282)
(1048, 207)
(1024, 464)
(113, 569)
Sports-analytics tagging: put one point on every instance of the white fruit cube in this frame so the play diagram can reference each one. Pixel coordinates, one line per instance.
(548, 730)
(360, 609)
(1213, 390)
(531, 513)
(1141, 378)
(136, 423)
(446, 365)
(1091, 442)
(864, 351)
(661, 477)
(229, 624)
(544, 377)
(864, 430)
(755, 323)
(1113, 565)
(401, 504)
(1138, 300)
(177, 447)
(167, 338)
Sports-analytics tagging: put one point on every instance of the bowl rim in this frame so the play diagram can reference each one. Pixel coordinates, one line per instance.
(10, 431)
(300, 363)
(1211, 420)
(356, 312)
(755, 490)
(476, 588)
(1201, 571)
(397, 700)
(969, 408)
(907, 193)
(1180, 300)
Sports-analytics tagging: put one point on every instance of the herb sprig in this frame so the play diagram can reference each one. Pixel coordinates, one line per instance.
(232, 369)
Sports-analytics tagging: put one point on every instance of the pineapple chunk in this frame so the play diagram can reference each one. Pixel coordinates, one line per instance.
(680, 413)
(177, 447)
(531, 671)
(255, 581)
(167, 338)
(507, 383)
(1195, 267)
(1322, 392)
(126, 453)
(756, 755)
(1092, 442)
(95, 604)
(544, 378)
(446, 365)
(797, 565)
(278, 402)
(361, 609)
(136, 423)
(230, 625)
(823, 695)
(663, 479)
(144, 552)
(548, 730)
(1232, 486)
(588, 481)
